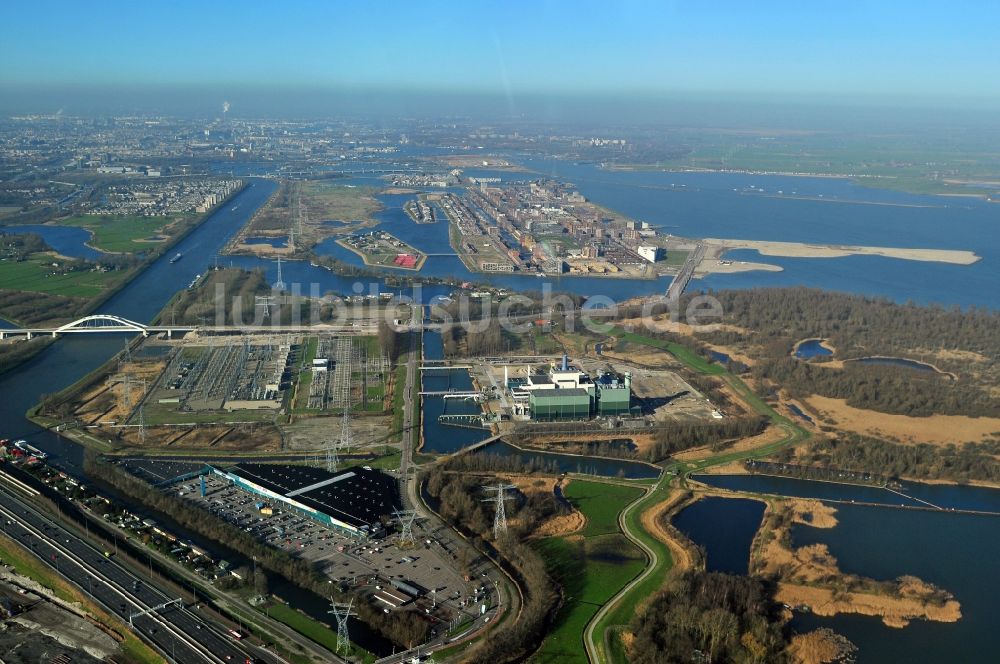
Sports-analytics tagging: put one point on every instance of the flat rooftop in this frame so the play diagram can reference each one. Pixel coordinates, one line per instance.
(355, 496)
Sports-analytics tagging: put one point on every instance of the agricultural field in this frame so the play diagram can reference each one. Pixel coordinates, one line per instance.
(126, 234)
(38, 274)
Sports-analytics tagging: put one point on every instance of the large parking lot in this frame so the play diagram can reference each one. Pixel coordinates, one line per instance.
(427, 565)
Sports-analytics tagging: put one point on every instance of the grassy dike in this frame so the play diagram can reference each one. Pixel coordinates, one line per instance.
(601, 636)
(591, 565)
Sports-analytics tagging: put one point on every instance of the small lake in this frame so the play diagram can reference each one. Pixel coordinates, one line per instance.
(724, 528)
(721, 358)
(952, 551)
(896, 362)
(66, 240)
(811, 348)
(798, 412)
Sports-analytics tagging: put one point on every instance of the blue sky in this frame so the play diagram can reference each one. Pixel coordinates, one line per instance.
(887, 47)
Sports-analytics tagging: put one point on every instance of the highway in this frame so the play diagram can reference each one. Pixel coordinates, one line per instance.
(683, 278)
(179, 634)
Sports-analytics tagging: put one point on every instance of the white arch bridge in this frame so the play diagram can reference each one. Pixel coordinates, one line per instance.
(98, 323)
(104, 323)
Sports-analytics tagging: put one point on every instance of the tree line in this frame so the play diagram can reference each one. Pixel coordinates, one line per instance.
(881, 387)
(461, 505)
(711, 618)
(958, 463)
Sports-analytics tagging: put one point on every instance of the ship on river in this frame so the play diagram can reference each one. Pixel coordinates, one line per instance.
(29, 450)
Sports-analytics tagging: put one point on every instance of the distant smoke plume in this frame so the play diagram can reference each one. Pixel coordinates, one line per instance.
(225, 107)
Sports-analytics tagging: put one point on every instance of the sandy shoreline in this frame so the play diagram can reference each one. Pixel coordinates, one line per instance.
(717, 247)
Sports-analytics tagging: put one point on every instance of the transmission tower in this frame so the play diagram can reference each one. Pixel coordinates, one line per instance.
(405, 520)
(341, 612)
(501, 497)
(279, 285)
(332, 456)
(262, 302)
(126, 358)
(345, 440)
(126, 395)
(142, 417)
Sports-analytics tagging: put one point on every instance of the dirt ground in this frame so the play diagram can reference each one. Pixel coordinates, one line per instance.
(654, 521)
(104, 401)
(936, 430)
(311, 433)
(240, 438)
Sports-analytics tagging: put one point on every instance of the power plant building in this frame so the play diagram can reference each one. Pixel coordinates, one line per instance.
(566, 393)
(572, 403)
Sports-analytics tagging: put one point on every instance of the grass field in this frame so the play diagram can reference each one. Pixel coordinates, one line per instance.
(315, 631)
(154, 413)
(35, 275)
(675, 258)
(591, 565)
(327, 200)
(600, 503)
(124, 233)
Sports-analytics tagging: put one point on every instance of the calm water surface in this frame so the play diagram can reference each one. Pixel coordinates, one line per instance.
(725, 528)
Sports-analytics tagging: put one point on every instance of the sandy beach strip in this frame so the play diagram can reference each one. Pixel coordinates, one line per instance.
(717, 247)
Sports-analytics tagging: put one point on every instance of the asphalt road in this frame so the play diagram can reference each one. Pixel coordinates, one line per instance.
(181, 635)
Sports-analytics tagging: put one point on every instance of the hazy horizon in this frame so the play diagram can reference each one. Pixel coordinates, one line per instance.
(680, 109)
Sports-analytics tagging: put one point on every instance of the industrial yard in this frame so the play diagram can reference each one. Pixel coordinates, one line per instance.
(230, 393)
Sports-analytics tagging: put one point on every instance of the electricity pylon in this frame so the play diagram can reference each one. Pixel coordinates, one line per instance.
(501, 497)
(341, 612)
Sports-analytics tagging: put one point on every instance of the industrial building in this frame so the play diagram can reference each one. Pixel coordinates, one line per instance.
(566, 393)
(355, 502)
